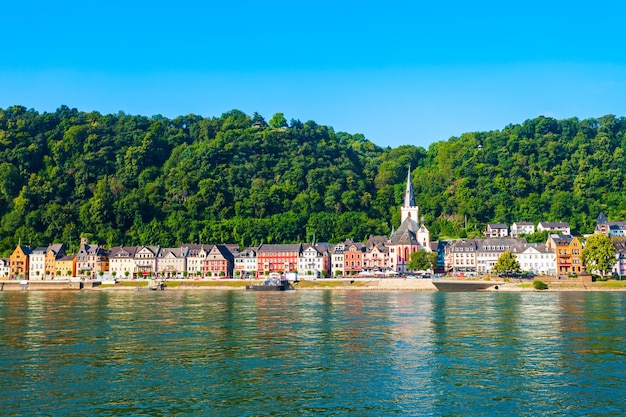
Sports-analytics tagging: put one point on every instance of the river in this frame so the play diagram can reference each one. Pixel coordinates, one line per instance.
(312, 353)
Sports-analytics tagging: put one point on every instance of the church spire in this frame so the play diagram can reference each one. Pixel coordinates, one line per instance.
(409, 209)
(409, 198)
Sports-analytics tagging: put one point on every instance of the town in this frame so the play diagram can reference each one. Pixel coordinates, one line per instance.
(379, 256)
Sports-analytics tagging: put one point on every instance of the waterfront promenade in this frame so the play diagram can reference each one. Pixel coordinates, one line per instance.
(363, 284)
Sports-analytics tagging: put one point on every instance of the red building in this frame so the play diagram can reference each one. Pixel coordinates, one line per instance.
(219, 262)
(278, 258)
(353, 259)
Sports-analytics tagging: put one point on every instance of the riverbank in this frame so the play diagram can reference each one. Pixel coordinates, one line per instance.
(362, 284)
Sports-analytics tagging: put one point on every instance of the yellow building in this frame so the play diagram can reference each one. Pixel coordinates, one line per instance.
(53, 253)
(65, 267)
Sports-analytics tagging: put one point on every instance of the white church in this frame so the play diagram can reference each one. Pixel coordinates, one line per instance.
(411, 236)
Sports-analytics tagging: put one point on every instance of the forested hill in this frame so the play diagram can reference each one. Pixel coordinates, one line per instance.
(123, 179)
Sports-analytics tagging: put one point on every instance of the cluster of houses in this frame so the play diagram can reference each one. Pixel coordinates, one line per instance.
(561, 255)
(380, 256)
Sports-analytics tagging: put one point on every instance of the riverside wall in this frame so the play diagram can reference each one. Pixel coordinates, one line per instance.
(16, 285)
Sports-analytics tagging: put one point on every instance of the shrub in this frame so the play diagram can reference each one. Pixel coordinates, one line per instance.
(539, 285)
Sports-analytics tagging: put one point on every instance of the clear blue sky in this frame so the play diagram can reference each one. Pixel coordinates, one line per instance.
(400, 72)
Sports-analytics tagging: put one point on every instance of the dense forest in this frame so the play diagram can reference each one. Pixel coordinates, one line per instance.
(126, 179)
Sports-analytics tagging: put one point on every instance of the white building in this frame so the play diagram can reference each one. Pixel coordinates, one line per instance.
(122, 262)
(554, 227)
(172, 262)
(461, 257)
(37, 264)
(496, 230)
(620, 257)
(195, 259)
(489, 250)
(522, 228)
(337, 259)
(5, 269)
(536, 258)
(146, 260)
(312, 262)
(246, 263)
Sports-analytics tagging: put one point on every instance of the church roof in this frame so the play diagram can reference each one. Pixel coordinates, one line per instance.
(406, 233)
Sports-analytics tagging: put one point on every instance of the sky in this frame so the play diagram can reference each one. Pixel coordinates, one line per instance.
(398, 72)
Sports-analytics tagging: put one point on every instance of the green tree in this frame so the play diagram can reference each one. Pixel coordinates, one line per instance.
(422, 260)
(506, 264)
(598, 254)
(278, 121)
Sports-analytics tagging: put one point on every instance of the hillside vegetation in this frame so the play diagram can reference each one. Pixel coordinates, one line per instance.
(124, 179)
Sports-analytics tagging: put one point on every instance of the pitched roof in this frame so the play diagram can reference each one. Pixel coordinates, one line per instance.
(174, 252)
(223, 250)
(406, 234)
(57, 249)
(528, 247)
(122, 252)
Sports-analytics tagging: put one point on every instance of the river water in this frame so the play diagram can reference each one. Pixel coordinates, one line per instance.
(312, 353)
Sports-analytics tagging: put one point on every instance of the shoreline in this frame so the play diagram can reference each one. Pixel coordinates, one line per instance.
(360, 284)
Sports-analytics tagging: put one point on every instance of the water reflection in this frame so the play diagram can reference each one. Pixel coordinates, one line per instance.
(236, 353)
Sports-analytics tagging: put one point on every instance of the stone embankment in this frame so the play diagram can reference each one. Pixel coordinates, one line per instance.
(365, 284)
(55, 285)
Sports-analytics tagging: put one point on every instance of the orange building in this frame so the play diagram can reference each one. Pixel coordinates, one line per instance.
(18, 262)
(568, 250)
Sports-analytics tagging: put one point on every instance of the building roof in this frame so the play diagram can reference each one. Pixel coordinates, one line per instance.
(246, 253)
(122, 252)
(406, 234)
(39, 251)
(464, 243)
(499, 242)
(177, 253)
(554, 225)
(526, 247)
(561, 240)
(152, 249)
(194, 249)
(58, 249)
(223, 250)
(295, 247)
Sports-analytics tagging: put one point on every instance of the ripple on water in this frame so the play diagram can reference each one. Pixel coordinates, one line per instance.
(311, 353)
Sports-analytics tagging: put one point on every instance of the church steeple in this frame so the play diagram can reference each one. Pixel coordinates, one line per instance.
(409, 209)
(409, 197)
